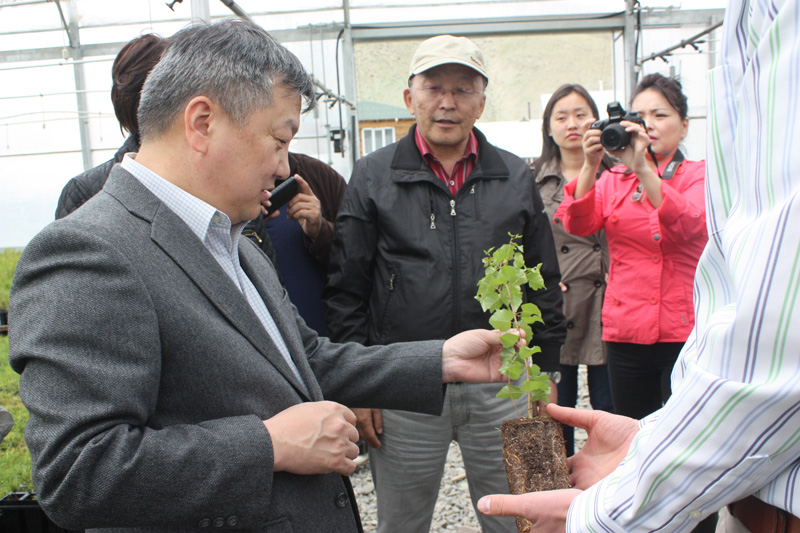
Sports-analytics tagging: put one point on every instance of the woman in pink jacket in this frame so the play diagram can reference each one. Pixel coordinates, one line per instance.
(652, 208)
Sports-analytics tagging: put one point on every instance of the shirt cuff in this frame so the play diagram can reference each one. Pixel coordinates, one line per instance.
(579, 207)
(587, 512)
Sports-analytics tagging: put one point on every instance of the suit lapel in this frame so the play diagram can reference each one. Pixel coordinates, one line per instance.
(253, 264)
(173, 236)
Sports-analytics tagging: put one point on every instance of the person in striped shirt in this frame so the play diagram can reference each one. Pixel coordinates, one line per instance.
(728, 438)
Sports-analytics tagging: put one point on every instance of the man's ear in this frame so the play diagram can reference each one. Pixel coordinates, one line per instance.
(198, 122)
(408, 101)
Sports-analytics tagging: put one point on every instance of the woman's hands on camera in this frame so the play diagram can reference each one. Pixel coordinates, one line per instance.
(593, 153)
(634, 155)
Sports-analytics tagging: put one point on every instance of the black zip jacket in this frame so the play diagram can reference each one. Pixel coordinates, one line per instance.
(82, 187)
(407, 255)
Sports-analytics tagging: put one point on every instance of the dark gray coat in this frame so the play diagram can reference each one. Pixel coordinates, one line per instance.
(147, 376)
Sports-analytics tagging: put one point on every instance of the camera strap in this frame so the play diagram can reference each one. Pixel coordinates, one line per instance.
(669, 171)
(671, 167)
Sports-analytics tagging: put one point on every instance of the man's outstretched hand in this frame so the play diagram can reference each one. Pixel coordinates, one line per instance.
(473, 356)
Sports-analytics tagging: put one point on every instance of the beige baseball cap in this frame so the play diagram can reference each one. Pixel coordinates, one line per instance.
(444, 49)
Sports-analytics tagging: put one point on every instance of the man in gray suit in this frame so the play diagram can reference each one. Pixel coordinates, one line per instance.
(170, 382)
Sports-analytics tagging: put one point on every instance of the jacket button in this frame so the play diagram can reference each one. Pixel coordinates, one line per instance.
(557, 220)
(232, 520)
(341, 500)
(614, 218)
(598, 283)
(219, 522)
(565, 249)
(653, 300)
(570, 324)
(205, 522)
(655, 258)
(656, 237)
(597, 247)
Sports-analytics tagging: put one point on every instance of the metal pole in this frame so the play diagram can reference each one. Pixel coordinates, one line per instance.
(200, 10)
(241, 13)
(349, 67)
(629, 42)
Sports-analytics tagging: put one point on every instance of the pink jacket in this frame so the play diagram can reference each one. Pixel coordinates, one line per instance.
(653, 252)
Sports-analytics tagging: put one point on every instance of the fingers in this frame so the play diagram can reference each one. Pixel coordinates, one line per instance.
(304, 187)
(366, 426)
(579, 418)
(314, 438)
(546, 508)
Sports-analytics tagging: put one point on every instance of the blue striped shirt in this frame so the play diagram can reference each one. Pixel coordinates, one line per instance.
(220, 237)
(732, 425)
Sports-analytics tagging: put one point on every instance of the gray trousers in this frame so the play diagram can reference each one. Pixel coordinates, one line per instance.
(407, 469)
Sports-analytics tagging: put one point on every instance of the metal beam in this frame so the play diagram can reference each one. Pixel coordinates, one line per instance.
(57, 53)
(412, 30)
(629, 44)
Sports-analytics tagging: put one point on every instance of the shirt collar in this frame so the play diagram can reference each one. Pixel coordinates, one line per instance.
(196, 213)
(425, 150)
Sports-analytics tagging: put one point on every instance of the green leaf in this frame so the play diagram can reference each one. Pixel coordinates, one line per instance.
(509, 339)
(488, 301)
(526, 351)
(509, 391)
(534, 385)
(515, 370)
(501, 319)
(528, 333)
(529, 309)
(535, 280)
(511, 274)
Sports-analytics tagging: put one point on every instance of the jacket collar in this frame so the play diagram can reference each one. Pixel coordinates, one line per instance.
(412, 167)
(130, 145)
(550, 170)
(178, 241)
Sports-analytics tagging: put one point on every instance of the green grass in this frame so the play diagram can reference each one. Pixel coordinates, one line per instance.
(8, 262)
(15, 461)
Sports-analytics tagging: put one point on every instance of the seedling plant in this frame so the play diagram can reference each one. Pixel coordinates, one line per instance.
(500, 292)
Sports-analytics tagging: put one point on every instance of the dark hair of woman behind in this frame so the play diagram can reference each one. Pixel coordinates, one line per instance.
(131, 66)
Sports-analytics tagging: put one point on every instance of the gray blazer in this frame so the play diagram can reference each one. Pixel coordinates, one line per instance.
(147, 376)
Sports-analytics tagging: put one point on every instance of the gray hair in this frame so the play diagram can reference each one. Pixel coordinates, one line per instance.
(233, 62)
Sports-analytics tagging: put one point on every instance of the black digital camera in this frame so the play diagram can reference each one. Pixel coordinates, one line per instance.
(613, 136)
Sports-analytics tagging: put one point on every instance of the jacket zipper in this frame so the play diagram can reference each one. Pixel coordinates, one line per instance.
(455, 264)
(433, 210)
(475, 202)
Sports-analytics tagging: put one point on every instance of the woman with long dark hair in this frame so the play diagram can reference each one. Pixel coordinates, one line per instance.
(583, 260)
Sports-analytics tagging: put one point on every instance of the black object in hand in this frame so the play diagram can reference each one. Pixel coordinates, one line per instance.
(282, 194)
(613, 136)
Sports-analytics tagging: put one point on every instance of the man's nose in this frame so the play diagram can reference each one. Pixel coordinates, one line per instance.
(448, 99)
(282, 172)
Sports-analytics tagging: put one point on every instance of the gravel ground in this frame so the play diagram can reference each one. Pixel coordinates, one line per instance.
(453, 511)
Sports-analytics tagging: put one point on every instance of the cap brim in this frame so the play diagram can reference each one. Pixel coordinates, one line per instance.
(445, 61)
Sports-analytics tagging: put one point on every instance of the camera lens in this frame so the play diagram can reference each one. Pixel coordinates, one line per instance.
(614, 137)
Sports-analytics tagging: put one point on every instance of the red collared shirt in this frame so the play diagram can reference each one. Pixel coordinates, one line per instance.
(461, 170)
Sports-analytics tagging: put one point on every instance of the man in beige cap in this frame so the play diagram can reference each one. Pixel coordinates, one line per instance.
(410, 235)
